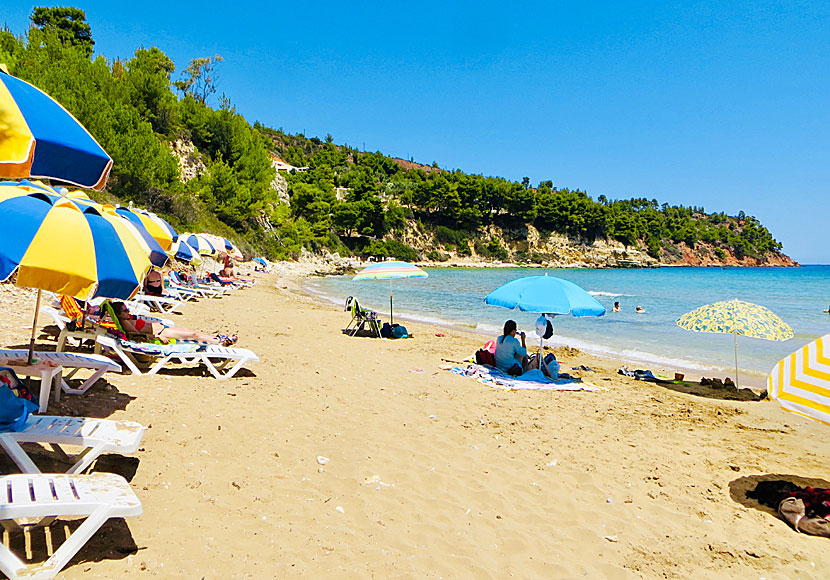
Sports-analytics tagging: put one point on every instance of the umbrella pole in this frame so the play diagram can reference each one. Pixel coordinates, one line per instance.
(735, 335)
(34, 327)
(391, 320)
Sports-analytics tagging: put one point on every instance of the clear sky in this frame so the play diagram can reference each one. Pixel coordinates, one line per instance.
(724, 105)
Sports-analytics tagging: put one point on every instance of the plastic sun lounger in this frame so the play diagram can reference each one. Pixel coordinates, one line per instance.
(96, 436)
(95, 497)
(182, 352)
(88, 334)
(160, 303)
(60, 360)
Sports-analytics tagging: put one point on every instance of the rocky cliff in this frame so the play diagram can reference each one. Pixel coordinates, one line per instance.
(531, 247)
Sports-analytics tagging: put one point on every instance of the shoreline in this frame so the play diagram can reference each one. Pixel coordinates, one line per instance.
(748, 378)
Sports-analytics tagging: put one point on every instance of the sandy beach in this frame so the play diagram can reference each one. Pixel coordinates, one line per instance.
(363, 458)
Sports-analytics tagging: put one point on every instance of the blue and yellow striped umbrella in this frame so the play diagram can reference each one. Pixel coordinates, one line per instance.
(154, 230)
(736, 317)
(68, 245)
(200, 244)
(184, 253)
(161, 222)
(41, 139)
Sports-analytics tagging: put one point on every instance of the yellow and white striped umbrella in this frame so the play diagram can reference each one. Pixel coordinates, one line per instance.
(801, 382)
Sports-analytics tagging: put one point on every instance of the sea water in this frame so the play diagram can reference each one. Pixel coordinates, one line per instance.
(454, 297)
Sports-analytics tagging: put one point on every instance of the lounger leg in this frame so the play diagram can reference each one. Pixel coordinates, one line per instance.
(86, 457)
(47, 377)
(18, 455)
(86, 384)
(76, 541)
(159, 365)
(215, 371)
(10, 564)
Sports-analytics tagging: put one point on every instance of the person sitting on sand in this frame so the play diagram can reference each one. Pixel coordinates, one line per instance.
(640, 309)
(510, 355)
(137, 326)
(616, 307)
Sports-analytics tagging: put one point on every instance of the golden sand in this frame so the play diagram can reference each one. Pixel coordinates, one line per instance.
(338, 457)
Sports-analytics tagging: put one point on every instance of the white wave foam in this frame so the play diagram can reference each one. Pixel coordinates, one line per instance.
(609, 294)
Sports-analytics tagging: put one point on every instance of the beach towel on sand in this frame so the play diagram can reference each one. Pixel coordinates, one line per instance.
(533, 379)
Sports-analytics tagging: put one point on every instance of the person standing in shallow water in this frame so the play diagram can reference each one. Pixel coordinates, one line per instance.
(616, 307)
(510, 355)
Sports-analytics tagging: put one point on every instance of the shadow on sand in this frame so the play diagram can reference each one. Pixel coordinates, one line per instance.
(739, 487)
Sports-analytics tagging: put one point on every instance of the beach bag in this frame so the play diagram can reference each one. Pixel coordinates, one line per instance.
(485, 357)
(16, 401)
(386, 330)
(399, 331)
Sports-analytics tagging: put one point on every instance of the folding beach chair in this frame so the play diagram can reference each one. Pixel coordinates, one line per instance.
(95, 497)
(182, 351)
(361, 317)
(95, 436)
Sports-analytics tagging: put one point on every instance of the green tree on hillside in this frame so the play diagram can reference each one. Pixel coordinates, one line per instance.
(200, 78)
(68, 23)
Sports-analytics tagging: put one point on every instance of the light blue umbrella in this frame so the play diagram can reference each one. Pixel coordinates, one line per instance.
(547, 295)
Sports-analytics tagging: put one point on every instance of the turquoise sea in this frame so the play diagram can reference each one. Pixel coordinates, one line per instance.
(453, 297)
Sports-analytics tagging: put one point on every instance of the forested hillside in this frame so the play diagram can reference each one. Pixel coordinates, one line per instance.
(139, 108)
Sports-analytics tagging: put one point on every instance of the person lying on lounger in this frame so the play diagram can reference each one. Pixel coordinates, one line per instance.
(136, 326)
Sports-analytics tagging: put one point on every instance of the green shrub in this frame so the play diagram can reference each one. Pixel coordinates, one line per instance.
(437, 256)
(464, 247)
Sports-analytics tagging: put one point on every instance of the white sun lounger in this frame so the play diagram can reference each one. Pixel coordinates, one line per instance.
(16, 358)
(160, 303)
(183, 352)
(96, 436)
(95, 497)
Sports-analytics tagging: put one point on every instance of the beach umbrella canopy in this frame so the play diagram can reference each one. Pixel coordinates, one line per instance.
(801, 382)
(158, 233)
(390, 271)
(82, 200)
(41, 139)
(160, 221)
(260, 261)
(185, 253)
(548, 295)
(232, 250)
(199, 243)
(545, 294)
(55, 243)
(736, 317)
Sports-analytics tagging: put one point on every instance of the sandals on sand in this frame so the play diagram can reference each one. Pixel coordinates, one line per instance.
(227, 340)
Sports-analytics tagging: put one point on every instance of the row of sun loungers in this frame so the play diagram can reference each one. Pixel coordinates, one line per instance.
(34, 500)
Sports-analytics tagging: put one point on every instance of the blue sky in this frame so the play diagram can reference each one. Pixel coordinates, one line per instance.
(723, 105)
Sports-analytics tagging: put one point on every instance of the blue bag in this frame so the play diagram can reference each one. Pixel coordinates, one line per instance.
(399, 331)
(16, 402)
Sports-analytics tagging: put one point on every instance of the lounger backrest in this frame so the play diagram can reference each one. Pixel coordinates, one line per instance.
(106, 306)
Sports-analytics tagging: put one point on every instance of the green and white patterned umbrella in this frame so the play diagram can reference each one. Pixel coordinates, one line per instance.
(736, 317)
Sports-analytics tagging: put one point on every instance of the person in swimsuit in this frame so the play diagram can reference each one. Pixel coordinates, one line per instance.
(138, 326)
